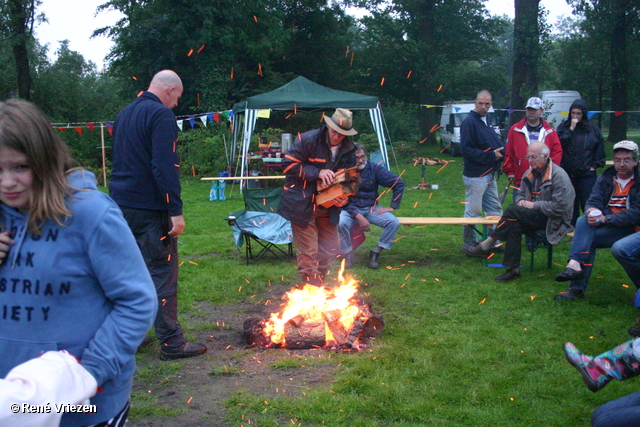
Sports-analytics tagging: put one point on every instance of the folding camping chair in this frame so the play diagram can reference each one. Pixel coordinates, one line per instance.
(260, 225)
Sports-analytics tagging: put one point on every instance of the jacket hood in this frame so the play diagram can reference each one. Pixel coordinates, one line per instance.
(582, 105)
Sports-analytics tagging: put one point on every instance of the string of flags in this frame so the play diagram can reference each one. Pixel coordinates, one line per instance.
(191, 119)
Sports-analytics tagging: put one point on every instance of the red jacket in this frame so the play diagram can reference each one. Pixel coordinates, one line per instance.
(518, 143)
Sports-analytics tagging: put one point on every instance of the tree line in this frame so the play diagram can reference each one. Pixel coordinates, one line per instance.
(409, 53)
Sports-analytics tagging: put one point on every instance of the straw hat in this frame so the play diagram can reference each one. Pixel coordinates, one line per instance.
(341, 122)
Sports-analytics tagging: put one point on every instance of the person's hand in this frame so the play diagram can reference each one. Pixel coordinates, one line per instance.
(5, 244)
(177, 225)
(363, 222)
(574, 123)
(512, 178)
(326, 176)
(498, 153)
(593, 220)
(526, 204)
(339, 202)
(384, 210)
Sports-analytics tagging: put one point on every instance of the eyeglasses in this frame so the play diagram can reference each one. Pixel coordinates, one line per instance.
(361, 157)
(530, 157)
(625, 161)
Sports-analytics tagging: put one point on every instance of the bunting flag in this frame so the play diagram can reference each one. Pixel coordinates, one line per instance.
(216, 117)
(564, 114)
(264, 114)
(109, 126)
(203, 119)
(91, 126)
(79, 130)
(590, 114)
(192, 121)
(179, 122)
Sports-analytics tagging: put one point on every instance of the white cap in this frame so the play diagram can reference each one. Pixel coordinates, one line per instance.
(626, 145)
(534, 102)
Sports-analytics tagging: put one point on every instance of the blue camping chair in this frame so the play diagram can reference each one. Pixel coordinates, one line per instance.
(260, 227)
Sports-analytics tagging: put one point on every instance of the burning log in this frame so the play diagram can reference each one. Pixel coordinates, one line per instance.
(304, 335)
(332, 318)
(253, 333)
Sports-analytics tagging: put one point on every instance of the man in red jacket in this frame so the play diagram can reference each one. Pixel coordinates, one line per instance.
(527, 131)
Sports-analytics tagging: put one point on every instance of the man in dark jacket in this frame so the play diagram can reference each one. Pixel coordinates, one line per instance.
(544, 202)
(145, 183)
(363, 208)
(582, 152)
(316, 156)
(482, 152)
(612, 213)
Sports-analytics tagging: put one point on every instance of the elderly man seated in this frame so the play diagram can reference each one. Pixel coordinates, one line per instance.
(544, 202)
(363, 208)
(612, 215)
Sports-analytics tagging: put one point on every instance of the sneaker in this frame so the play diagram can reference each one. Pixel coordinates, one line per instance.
(569, 295)
(510, 274)
(188, 349)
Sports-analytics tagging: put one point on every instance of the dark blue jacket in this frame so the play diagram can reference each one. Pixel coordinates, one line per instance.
(145, 171)
(372, 176)
(308, 155)
(602, 192)
(477, 142)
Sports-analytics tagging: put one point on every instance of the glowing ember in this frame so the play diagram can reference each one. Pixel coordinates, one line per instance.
(315, 317)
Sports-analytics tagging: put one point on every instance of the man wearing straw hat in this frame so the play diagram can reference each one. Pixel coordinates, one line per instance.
(314, 158)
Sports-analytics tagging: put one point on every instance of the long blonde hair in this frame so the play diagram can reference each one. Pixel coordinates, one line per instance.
(24, 128)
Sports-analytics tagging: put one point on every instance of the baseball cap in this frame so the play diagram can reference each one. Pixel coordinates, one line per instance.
(534, 102)
(626, 145)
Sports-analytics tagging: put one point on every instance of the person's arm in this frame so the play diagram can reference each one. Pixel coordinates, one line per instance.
(296, 163)
(473, 150)
(599, 156)
(390, 180)
(118, 266)
(599, 196)
(164, 159)
(562, 197)
(555, 147)
(509, 164)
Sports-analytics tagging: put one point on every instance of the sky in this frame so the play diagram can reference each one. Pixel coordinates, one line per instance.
(74, 20)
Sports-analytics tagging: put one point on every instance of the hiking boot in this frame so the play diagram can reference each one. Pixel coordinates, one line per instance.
(475, 251)
(373, 260)
(569, 295)
(188, 349)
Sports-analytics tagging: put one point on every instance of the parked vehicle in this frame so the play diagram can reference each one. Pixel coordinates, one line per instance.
(555, 103)
(453, 113)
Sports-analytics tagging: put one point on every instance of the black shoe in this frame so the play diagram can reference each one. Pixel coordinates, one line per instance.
(634, 332)
(373, 260)
(475, 251)
(188, 349)
(498, 248)
(569, 295)
(569, 274)
(510, 274)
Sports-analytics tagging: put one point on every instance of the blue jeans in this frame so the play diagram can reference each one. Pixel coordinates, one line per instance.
(621, 412)
(387, 221)
(480, 194)
(586, 240)
(627, 252)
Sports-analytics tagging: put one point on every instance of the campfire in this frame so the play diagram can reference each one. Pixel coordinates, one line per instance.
(318, 317)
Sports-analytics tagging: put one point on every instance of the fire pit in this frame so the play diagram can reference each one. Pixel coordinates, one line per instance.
(318, 317)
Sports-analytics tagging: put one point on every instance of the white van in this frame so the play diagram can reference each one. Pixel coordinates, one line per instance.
(453, 113)
(555, 103)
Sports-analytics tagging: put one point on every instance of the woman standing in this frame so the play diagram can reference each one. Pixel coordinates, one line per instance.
(72, 277)
(582, 152)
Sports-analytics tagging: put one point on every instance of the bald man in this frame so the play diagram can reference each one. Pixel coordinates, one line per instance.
(145, 183)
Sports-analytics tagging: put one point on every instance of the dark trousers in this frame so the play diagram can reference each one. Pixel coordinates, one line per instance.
(316, 246)
(515, 222)
(160, 253)
(583, 186)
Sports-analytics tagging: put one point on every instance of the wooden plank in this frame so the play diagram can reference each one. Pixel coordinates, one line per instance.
(231, 178)
(448, 221)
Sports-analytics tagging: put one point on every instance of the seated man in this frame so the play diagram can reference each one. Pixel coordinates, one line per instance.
(627, 252)
(363, 208)
(544, 202)
(612, 211)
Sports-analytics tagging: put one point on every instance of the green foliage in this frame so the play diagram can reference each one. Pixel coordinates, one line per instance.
(206, 149)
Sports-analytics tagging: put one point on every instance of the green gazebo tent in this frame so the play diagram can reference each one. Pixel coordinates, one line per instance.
(302, 93)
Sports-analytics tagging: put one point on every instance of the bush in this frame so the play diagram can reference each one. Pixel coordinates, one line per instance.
(205, 151)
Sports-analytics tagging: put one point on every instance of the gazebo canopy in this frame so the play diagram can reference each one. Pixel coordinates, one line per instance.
(305, 94)
(302, 93)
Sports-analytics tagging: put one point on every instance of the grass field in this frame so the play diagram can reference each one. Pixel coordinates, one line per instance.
(458, 349)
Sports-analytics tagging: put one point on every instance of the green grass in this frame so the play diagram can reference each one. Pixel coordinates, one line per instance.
(458, 349)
